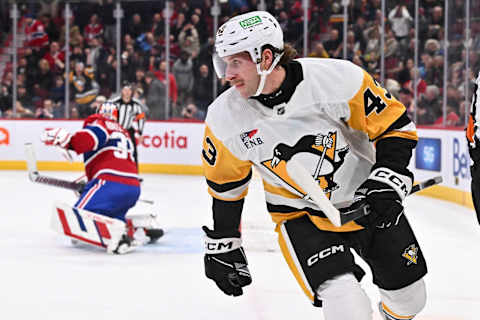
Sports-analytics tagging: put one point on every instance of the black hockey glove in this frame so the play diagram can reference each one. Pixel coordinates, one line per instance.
(383, 192)
(225, 261)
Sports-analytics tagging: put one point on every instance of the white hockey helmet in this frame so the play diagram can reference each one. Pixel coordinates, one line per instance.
(109, 110)
(248, 32)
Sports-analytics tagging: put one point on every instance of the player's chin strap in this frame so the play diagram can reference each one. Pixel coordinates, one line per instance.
(264, 73)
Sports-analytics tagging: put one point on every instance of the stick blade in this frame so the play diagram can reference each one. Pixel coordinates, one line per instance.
(31, 161)
(438, 179)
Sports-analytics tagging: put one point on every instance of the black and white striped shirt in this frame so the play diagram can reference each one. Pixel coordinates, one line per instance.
(131, 114)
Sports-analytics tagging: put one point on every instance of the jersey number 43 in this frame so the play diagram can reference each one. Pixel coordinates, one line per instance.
(373, 102)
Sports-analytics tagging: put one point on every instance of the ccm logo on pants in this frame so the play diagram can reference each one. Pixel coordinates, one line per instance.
(324, 253)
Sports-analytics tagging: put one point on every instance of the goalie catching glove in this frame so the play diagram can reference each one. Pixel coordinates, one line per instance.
(383, 192)
(225, 261)
(56, 137)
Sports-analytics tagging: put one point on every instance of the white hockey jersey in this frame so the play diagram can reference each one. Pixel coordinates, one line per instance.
(336, 99)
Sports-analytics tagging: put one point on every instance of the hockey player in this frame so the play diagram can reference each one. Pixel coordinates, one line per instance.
(473, 138)
(355, 139)
(113, 186)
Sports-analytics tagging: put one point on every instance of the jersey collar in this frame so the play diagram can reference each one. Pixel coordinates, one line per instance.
(293, 76)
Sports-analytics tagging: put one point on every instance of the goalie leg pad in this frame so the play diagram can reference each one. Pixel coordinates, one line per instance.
(86, 226)
(148, 223)
(403, 303)
(344, 298)
(93, 229)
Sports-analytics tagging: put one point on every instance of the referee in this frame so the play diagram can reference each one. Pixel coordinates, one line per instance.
(473, 140)
(131, 114)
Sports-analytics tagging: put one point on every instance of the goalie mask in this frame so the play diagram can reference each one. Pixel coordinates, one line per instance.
(249, 32)
(108, 110)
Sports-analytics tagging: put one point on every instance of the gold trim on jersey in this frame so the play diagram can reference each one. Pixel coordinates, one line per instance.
(279, 191)
(410, 135)
(221, 196)
(325, 225)
(221, 167)
(321, 223)
(280, 170)
(381, 111)
(292, 261)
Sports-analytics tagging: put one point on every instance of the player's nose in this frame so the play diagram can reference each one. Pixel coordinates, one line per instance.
(229, 74)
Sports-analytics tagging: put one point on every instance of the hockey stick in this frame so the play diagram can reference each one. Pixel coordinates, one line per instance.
(36, 177)
(303, 178)
(347, 215)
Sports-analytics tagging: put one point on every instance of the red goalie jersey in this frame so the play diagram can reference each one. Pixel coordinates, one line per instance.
(107, 150)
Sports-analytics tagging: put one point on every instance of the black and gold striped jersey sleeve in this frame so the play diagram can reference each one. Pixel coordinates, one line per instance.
(378, 113)
(227, 176)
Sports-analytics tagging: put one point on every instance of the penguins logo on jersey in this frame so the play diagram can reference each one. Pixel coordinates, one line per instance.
(411, 254)
(313, 144)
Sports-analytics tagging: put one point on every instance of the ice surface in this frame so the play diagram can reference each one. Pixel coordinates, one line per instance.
(44, 277)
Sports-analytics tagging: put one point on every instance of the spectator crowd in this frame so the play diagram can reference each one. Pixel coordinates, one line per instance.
(92, 38)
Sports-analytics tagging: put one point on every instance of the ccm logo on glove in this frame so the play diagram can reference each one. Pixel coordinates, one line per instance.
(400, 183)
(214, 246)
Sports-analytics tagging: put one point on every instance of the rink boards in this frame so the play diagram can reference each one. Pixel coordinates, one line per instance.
(175, 147)
(167, 147)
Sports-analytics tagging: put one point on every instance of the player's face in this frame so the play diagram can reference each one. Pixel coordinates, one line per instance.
(241, 72)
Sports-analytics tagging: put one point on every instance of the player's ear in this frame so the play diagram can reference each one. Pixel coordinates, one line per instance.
(267, 59)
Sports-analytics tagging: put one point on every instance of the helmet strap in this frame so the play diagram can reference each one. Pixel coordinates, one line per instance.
(264, 73)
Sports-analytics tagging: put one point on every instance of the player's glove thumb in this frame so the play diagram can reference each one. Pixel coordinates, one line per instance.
(225, 261)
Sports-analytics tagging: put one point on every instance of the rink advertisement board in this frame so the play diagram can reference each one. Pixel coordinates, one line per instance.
(428, 154)
(173, 147)
(445, 153)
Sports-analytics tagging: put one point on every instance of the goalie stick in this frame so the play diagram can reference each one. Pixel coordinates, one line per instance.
(347, 215)
(36, 177)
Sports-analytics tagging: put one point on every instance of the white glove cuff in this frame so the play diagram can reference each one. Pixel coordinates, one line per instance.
(400, 183)
(216, 246)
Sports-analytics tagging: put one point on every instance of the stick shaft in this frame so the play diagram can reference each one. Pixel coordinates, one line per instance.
(36, 177)
(347, 216)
